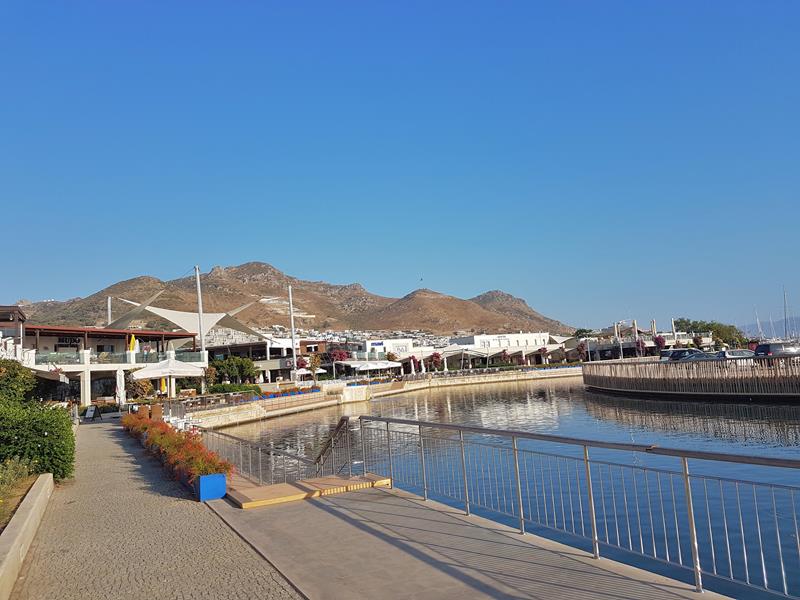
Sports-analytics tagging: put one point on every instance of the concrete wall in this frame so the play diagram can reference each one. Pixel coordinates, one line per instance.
(338, 393)
(20, 531)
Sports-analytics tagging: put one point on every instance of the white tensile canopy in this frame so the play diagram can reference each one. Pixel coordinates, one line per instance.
(187, 321)
(371, 365)
(168, 368)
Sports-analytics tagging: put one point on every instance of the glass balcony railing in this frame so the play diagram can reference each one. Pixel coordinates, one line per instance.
(108, 358)
(58, 358)
(150, 357)
(191, 356)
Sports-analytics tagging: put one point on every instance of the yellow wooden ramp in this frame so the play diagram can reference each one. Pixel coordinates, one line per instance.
(246, 494)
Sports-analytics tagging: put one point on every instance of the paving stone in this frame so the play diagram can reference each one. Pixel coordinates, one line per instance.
(122, 529)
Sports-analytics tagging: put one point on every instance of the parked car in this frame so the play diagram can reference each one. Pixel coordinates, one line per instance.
(778, 349)
(698, 356)
(735, 354)
(678, 353)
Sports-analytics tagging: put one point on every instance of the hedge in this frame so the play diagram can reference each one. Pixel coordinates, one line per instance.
(226, 388)
(40, 434)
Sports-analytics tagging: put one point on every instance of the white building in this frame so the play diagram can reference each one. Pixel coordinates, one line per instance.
(536, 340)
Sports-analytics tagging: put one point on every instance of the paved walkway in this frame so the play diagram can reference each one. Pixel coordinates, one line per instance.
(120, 529)
(390, 545)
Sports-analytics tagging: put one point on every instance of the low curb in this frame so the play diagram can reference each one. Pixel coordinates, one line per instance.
(20, 531)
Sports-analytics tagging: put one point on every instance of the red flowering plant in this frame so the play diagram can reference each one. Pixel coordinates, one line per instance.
(182, 451)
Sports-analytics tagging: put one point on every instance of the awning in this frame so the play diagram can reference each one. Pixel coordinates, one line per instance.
(371, 365)
(308, 372)
(168, 368)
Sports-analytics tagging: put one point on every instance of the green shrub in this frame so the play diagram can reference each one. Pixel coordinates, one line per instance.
(40, 434)
(226, 388)
(16, 382)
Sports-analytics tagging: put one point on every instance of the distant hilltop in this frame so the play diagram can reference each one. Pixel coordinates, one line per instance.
(319, 305)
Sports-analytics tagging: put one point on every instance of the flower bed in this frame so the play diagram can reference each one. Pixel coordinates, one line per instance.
(183, 453)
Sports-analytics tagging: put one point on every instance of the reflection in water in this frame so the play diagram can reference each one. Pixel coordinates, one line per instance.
(564, 408)
(747, 424)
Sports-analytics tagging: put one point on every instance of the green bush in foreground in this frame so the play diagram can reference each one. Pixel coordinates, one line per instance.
(226, 388)
(39, 434)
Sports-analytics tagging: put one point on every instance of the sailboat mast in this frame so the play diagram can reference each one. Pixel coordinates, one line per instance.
(758, 324)
(785, 316)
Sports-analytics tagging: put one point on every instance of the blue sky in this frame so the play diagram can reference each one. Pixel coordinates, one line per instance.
(603, 160)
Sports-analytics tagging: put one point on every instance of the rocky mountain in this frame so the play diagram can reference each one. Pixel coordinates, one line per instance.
(317, 304)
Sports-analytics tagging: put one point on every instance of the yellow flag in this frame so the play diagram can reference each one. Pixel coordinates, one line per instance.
(132, 345)
(163, 384)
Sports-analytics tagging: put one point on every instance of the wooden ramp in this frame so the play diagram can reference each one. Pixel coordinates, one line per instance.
(246, 494)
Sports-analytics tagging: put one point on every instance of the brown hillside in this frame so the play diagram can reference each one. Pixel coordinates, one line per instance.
(317, 304)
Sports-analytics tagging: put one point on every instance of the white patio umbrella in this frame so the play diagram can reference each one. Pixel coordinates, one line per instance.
(169, 368)
(121, 399)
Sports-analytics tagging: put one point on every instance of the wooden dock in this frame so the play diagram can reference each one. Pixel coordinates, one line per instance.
(246, 494)
(743, 378)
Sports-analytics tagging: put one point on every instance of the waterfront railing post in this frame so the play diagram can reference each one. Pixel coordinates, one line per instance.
(519, 484)
(389, 452)
(464, 472)
(422, 465)
(361, 432)
(260, 476)
(349, 451)
(592, 512)
(698, 577)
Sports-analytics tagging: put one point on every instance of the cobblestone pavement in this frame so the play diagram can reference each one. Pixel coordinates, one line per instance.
(122, 529)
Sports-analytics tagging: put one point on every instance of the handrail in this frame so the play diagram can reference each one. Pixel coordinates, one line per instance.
(321, 455)
(648, 449)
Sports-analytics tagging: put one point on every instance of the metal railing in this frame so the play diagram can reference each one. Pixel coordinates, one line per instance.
(260, 463)
(732, 529)
(264, 464)
(750, 376)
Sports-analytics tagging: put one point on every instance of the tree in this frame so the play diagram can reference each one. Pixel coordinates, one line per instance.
(16, 381)
(301, 363)
(697, 341)
(660, 342)
(391, 356)
(247, 369)
(582, 332)
(211, 375)
(235, 369)
(729, 334)
(504, 357)
(314, 363)
(137, 389)
(581, 349)
(339, 355)
(436, 361)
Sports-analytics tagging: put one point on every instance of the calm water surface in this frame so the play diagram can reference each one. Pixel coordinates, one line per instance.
(564, 408)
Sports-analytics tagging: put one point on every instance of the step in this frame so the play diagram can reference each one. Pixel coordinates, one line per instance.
(246, 494)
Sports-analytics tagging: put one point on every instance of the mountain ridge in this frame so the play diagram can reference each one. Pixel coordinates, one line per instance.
(318, 304)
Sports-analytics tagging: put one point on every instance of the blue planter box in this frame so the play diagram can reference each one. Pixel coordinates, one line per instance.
(210, 487)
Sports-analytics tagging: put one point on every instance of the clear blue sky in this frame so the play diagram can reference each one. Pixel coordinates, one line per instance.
(603, 160)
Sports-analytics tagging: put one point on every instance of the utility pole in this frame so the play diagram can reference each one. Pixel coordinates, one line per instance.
(108, 309)
(199, 309)
(294, 351)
